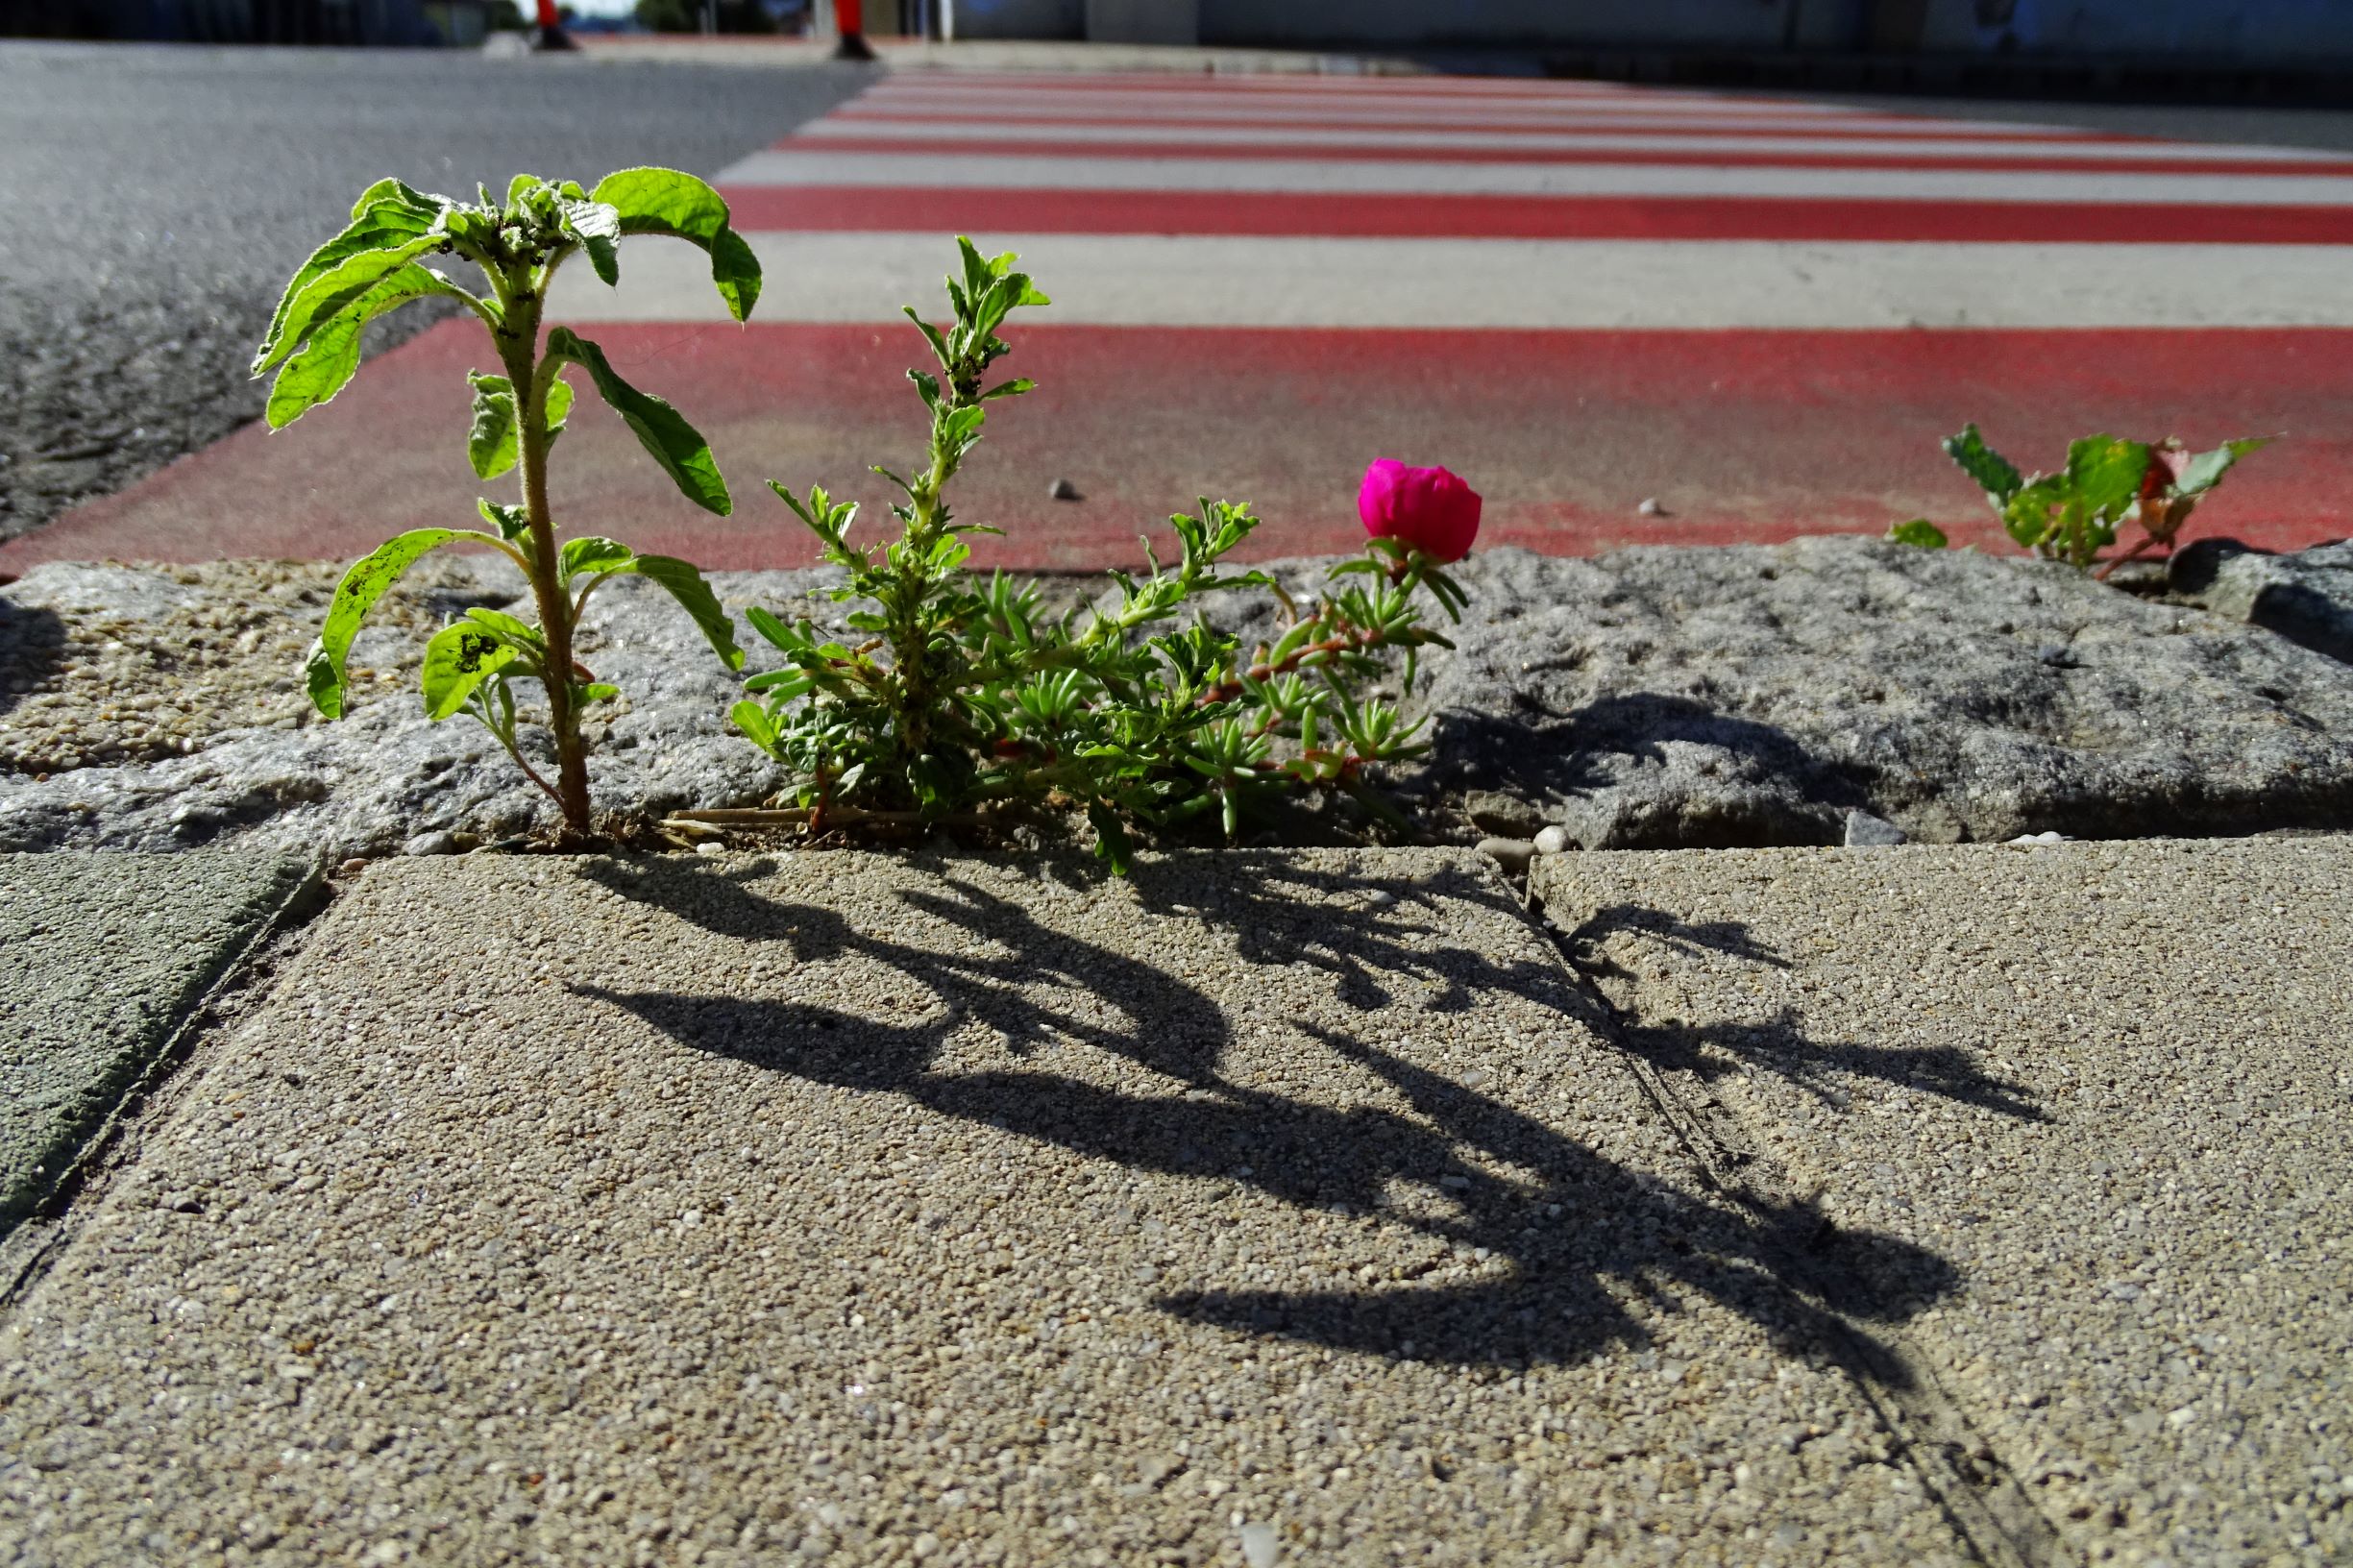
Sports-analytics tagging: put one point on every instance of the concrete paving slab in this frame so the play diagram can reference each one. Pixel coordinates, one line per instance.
(1264, 1208)
(101, 959)
(2107, 1083)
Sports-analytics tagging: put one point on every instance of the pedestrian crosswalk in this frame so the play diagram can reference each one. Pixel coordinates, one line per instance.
(1758, 313)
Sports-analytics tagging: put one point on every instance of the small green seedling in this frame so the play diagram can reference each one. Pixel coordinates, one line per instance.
(2074, 514)
(374, 267)
(962, 698)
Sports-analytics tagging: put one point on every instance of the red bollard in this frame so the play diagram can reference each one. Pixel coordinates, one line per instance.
(550, 32)
(849, 22)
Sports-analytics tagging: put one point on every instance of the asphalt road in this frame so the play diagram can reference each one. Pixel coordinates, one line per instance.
(153, 201)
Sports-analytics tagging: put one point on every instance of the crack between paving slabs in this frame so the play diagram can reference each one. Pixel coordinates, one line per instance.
(41, 1232)
(1978, 1494)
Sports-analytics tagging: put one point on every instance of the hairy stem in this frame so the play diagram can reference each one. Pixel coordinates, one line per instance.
(519, 350)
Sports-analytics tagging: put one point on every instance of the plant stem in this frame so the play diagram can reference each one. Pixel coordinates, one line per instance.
(519, 349)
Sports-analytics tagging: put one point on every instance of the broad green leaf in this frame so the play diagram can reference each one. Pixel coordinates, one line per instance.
(1919, 532)
(494, 440)
(687, 586)
(387, 213)
(332, 290)
(354, 597)
(664, 433)
(1010, 389)
(596, 227)
(769, 626)
(2106, 473)
(490, 441)
(460, 657)
(521, 186)
(596, 691)
(2205, 470)
(325, 364)
(520, 635)
(653, 201)
(592, 555)
(1993, 472)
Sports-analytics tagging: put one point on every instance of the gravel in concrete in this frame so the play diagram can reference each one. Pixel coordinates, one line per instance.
(2107, 1084)
(730, 1210)
(101, 959)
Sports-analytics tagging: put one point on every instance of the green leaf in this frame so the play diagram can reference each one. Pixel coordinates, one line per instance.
(1010, 389)
(559, 406)
(386, 213)
(2106, 473)
(596, 691)
(490, 441)
(693, 594)
(664, 433)
(753, 721)
(592, 555)
(1918, 532)
(310, 304)
(655, 200)
(460, 657)
(2205, 470)
(512, 522)
(354, 597)
(493, 441)
(328, 360)
(1993, 472)
(596, 228)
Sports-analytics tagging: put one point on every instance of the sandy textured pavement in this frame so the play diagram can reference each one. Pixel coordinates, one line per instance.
(2107, 1085)
(1264, 1208)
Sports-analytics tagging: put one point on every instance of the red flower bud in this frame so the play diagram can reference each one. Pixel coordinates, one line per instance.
(1428, 509)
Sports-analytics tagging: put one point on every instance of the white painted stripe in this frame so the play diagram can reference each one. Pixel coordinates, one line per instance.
(897, 93)
(1406, 178)
(1632, 116)
(1178, 138)
(1569, 125)
(1129, 280)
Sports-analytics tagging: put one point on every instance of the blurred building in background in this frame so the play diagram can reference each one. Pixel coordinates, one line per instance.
(458, 23)
(2201, 32)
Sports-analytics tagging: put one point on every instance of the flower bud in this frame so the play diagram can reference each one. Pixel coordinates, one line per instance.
(1428, 509)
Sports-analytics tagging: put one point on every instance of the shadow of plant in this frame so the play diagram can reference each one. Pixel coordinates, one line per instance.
(1565, 1230)
(1779, 1043)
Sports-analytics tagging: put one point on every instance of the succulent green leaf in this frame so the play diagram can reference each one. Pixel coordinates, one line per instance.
(653, 201)
(1993, 473)
(460, 657)
(757, 726)
(354, 597)
(330, 357)
(1918, 532)
(2205, 470)
(664, 433)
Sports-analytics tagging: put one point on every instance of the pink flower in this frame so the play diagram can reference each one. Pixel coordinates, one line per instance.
(1428, 509)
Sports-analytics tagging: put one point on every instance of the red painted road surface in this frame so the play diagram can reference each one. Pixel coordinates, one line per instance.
(1742, 432)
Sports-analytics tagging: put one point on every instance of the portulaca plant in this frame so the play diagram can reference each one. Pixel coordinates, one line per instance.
(376, 265)
(959, 698)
